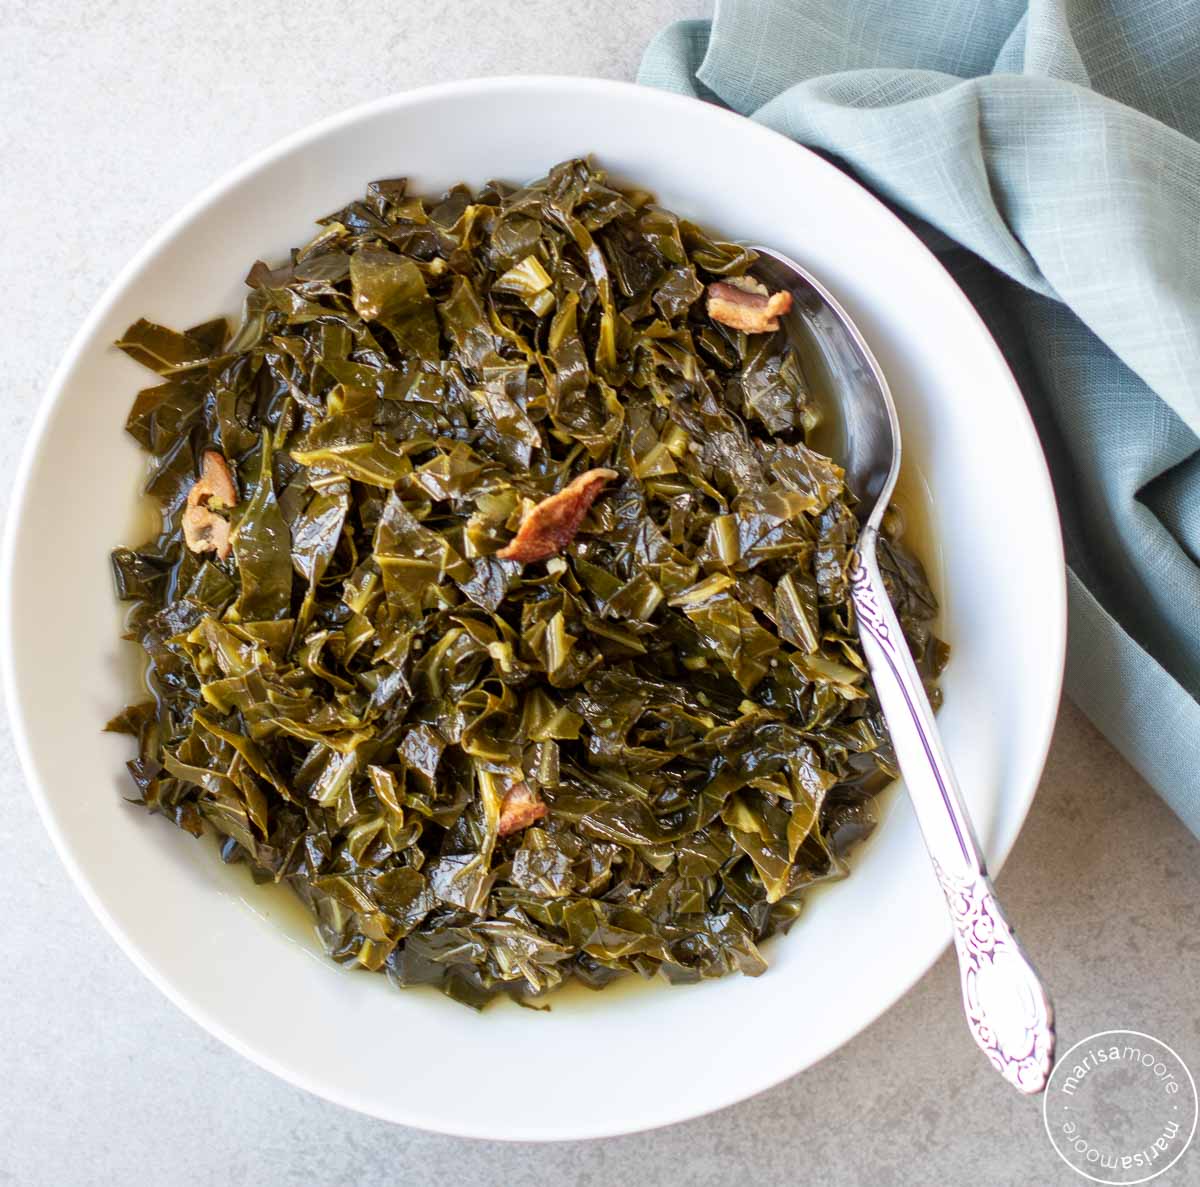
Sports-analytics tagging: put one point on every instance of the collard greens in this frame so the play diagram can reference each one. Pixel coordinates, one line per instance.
(486, 775)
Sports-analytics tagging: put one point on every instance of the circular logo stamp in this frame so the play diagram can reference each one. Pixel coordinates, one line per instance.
(1120, 1107)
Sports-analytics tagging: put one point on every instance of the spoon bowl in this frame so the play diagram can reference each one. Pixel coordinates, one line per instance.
(857, 422)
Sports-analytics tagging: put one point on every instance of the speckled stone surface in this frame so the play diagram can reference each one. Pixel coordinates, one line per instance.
(113, 115)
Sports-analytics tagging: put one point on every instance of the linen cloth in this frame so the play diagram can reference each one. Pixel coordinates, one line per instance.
(1048, 151)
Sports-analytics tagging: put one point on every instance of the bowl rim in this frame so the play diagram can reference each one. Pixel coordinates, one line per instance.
(1056, 612)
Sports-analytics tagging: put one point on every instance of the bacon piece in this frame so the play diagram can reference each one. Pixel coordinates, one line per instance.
(519, 809)
(203, 529)
(551, 525)
(745, 305)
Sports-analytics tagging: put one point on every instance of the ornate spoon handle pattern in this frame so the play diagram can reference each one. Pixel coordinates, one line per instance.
(1008, 1010)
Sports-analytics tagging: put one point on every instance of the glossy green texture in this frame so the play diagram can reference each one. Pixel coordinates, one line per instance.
(347, 699)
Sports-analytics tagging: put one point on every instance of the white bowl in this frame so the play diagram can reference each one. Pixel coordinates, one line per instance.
(596, 1064)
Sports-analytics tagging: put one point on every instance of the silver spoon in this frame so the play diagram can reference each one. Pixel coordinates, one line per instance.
(1008, 1009)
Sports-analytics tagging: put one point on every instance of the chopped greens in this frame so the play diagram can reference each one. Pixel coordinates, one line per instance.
(499, 606)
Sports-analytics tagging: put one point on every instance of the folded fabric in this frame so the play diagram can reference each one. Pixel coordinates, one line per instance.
(1048, 151)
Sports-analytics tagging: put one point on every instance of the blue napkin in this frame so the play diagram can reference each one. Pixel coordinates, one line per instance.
(1047, 151)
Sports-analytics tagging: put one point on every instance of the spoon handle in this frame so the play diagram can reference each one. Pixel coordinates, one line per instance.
(1008, 1009)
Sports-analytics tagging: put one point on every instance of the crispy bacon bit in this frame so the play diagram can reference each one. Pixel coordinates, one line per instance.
(203, 529)
(519, 809)
(745, 304)
(551, 525)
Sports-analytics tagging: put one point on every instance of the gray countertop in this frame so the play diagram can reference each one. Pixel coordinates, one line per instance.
(113, 116)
